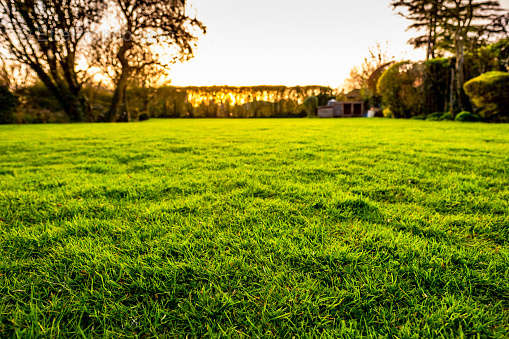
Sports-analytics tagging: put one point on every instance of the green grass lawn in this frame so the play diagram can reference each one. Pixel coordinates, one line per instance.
(254, 227)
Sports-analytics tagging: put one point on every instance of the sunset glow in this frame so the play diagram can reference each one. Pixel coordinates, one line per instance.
(290, 43)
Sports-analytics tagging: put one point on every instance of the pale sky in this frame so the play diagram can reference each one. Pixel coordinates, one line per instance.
(290, 42)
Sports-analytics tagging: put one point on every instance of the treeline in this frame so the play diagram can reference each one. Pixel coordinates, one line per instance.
(35, 104)
(226, 101)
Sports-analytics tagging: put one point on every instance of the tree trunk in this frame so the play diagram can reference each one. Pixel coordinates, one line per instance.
(460, 75)
(452, 91)
(118, 109)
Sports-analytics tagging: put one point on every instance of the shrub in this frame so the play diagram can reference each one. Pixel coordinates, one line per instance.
(467, 116)
(8, 103)
(387, 113)
(437, 116)
(489, 93)
(419, 117)
(447, 116)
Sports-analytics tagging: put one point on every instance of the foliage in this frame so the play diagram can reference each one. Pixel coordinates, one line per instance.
(311, 105)
(467, 116)
(387, 113)
(8, 103)
(447, 116)
(39, 96)
(179, 102)
(467, 24)
(419, 117)
(436, 83)
(489, 92)
(458, 26)
(437, 116)
(399, 89)
(260, 228)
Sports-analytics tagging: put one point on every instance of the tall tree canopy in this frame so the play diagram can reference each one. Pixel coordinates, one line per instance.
(46, 35)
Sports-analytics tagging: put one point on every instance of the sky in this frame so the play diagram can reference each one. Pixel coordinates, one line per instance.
(290, 42)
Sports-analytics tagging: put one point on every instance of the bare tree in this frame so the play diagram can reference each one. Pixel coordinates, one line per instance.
(362, 76)
(46, 35)
(145, 28)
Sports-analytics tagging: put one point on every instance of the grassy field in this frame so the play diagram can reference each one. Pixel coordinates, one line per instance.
(254, 227)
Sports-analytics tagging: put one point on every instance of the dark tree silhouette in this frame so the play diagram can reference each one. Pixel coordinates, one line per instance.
(46, 35)
(425, 16)
(141, 26)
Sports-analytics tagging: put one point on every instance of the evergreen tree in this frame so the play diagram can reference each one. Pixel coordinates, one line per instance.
(425, 16)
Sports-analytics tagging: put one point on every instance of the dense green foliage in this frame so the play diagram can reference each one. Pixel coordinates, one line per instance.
(490, 93)
(398, 89)
(436, 85)
(260, 227)
(8, 103)
(410, 89)
(467, 116)
(437, 116)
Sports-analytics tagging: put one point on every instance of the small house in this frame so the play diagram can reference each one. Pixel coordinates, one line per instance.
(339, 109)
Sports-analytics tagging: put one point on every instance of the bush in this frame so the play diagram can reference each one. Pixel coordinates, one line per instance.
(387, 113)
(447, 116)
(490, 93)
(8, 103)
(437, 116)
(419, 117)
(467, 116)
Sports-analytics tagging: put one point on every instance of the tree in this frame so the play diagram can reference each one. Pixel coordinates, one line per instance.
(361, 77)
(401, 89)
(311, 105)
(464, 22)
(46, 36)
(425, 15)
(144, 28)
